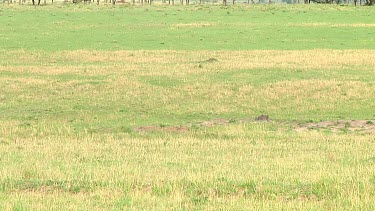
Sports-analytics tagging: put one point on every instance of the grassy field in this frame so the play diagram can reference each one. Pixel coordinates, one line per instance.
(153, 107)
(92, 27)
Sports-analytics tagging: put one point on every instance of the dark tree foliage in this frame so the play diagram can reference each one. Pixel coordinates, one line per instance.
(34, 2)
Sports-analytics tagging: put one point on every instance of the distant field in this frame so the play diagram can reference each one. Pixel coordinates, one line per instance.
(287, 27)
(154, 107)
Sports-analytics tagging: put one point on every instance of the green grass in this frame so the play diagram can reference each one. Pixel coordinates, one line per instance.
(73, 27)
(83, 77)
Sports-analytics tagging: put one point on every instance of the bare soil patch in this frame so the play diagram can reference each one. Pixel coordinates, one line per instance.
(361, 126)
(208, 123)
(358, 126)
(151, 128)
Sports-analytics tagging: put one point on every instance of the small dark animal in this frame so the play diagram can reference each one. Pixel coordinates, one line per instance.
(210, 60)
(262, 118)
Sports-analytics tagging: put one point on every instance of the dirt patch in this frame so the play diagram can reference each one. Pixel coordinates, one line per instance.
(208, 123)
(361, 126)
(339, 126)
(214, 122)
(151, 128)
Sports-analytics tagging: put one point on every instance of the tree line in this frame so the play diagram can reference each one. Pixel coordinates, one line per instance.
(187, 2)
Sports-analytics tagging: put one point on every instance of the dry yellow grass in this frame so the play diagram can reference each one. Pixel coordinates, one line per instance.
(294, 59)
(196, 25)
(183, 63)
(287, 171)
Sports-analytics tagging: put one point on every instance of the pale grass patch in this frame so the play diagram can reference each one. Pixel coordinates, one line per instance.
(194, 25)
(317, 89)
(27, 81)
(185, 62)
(137, 57)
(55, 70)
(59, 200)
(313, 24)
(306, 59)
(341, 25)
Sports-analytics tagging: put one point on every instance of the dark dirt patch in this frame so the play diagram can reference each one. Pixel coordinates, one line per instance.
(211, 60)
